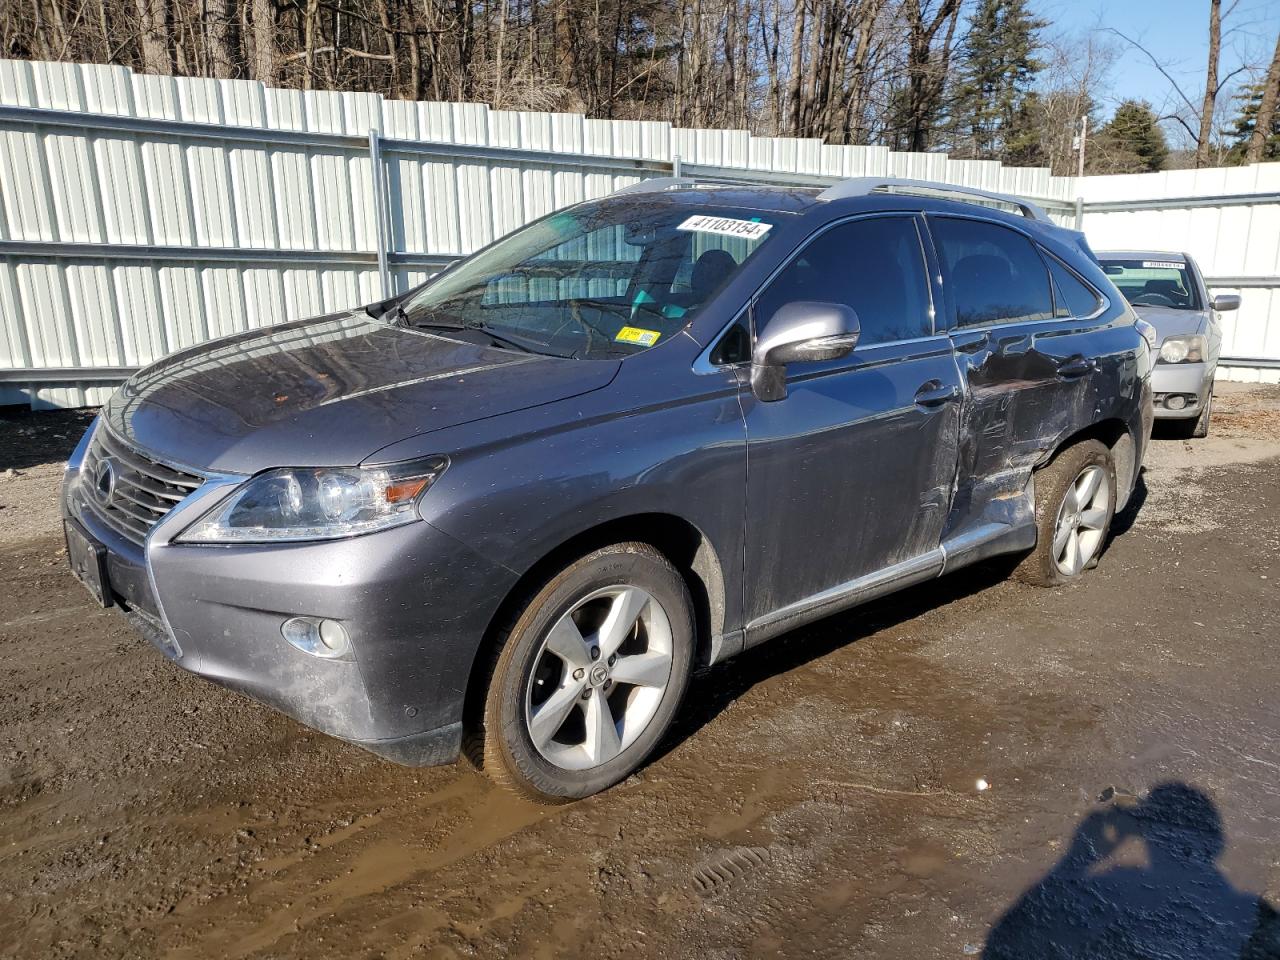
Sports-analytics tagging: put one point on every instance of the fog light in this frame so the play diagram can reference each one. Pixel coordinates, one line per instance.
(320, 638)
(1175, 401)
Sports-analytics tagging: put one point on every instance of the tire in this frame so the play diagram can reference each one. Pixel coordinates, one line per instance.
(1083, 544)
(1201, 429)
(564, 670)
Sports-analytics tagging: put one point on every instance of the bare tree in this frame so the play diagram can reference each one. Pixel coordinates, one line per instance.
(1203, 114)
(220, 38)
(264, 42)
(1075, 68)
(154, 31)
(926, 67)
(1211, 86)
(850, 71)
(1266, 109)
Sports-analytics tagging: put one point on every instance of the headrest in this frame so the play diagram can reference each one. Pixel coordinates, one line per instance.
(710, 271)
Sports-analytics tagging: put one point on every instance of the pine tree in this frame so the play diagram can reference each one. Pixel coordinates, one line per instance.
(997, 69)
(1132, 140)
(1243, 126)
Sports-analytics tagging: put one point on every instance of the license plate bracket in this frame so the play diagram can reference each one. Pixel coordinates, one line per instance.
(88, 562)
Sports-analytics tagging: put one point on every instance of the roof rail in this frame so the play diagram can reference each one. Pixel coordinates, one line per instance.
(660, 184)
(862, 186)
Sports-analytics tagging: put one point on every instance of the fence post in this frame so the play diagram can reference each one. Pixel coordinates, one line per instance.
(381, 216)
(1079, 213)
(675, 165)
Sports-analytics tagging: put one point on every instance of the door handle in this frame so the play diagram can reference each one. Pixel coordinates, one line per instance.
(935, 393)
(1076, 366)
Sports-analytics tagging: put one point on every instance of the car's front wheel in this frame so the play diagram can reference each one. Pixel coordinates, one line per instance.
(1199, 427)
(589, 675)
(1075, 501)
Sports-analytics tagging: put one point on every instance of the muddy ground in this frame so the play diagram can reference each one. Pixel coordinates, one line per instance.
(821, 796)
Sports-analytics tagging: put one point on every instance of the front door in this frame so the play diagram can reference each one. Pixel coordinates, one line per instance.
(851, 472)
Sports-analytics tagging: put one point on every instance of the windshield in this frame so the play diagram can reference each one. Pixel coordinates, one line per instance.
(1153, 283)
(602, 279)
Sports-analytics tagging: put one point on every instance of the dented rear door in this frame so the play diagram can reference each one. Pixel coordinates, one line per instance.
(1030, 373)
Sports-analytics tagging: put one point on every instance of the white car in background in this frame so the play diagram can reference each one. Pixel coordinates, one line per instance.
(1167, 290)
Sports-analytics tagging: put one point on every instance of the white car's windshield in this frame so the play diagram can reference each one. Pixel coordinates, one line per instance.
(602, 279)
(1153, 282)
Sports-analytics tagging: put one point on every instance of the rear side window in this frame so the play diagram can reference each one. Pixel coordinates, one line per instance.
(995, 273)
(1072, 296)
(875, 266)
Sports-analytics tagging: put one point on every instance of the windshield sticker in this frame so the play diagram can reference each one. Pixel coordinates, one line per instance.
(1162, 264)
(727, 227)
(645, 338)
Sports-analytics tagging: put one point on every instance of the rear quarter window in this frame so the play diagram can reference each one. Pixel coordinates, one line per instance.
(1072, 296)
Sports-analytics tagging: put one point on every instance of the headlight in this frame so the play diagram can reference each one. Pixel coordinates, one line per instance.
(1148, 333)
(321, 503)
(1187, 349)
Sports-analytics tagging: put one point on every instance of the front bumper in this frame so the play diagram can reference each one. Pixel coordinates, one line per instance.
(414, 601)
(1190, 381)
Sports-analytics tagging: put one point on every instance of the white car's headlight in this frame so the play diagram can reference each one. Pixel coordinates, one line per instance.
(1183, 349)
(317, 503)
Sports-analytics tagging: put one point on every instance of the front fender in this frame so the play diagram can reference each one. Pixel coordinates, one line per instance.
(520, 486)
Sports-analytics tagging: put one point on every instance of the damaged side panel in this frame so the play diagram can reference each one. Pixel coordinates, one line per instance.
(1028, 388)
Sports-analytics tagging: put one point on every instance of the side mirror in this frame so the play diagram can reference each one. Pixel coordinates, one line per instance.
(1226, 301)
(800, 331)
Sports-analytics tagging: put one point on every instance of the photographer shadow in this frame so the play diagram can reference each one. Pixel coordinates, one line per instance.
(1177, 905)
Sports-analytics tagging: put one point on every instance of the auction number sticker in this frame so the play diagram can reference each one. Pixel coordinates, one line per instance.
(1162, 264)
(727, 227)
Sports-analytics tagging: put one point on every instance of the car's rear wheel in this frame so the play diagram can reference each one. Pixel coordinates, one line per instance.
(1075, 502)
(589, 675)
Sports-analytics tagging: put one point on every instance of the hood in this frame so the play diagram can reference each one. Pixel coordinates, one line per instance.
(329, 392)
(1169, 322)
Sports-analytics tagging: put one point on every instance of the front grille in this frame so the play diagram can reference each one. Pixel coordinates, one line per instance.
(141, 490)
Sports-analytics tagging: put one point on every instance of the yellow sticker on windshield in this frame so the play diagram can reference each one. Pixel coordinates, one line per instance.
(646, 338)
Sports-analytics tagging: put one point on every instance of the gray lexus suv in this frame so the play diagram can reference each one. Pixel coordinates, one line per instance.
(511, 510)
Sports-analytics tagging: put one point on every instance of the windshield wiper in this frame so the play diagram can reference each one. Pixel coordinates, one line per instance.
(504, 341)
(497, 338)
(397, 316)
(394, 314)
(618, 309)
(440, 325)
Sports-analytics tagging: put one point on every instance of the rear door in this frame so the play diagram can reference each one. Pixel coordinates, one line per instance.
(850, 473)
(1026, 356)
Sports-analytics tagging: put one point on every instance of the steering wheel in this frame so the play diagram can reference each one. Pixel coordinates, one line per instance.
(1153, 300)
(592, 330)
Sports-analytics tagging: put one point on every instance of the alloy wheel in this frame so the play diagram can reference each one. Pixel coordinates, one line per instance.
(1082, 520)
(598, 678)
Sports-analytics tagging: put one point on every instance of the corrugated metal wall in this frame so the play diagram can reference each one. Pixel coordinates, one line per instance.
(142, 214)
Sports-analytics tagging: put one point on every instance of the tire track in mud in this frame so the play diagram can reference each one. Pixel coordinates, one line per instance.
(369, 858)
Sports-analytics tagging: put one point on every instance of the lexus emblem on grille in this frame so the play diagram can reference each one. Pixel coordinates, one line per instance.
(104, 481)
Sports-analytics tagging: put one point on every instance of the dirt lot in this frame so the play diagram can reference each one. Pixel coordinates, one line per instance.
(889, 783)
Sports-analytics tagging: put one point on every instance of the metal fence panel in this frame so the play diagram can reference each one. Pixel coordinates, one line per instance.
(142, 214)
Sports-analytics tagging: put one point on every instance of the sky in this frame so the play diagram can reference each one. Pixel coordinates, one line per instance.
(1177, 33)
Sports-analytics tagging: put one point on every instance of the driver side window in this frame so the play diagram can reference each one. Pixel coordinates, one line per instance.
(875, 266)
